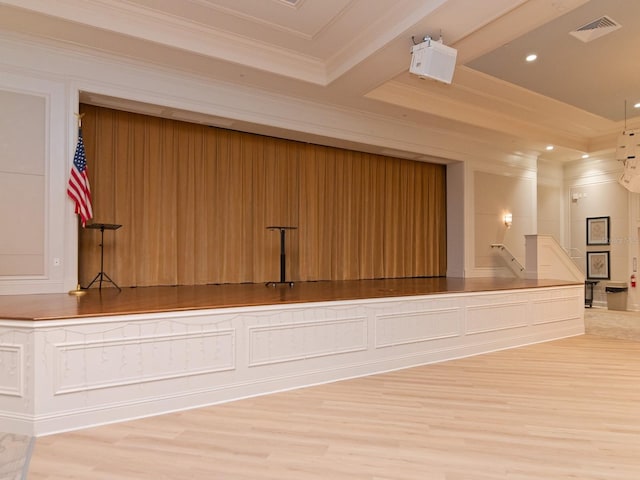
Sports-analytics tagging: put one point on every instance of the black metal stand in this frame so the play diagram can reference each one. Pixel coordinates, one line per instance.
(283, 257)
(101, 276)
(588, 292)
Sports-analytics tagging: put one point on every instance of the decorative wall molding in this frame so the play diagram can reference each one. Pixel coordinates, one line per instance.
(417, 327)
(492, 317)
(551, 310)
(47, 184)
(299, 341)
(92, 365)
(12, 370)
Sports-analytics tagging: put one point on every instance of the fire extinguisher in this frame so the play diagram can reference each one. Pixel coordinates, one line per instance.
(633, 280)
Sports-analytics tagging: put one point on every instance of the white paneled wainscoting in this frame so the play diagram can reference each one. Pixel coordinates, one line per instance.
(70, 374)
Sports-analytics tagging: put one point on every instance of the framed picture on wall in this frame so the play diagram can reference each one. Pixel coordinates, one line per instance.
(598, 231)
(598, 265)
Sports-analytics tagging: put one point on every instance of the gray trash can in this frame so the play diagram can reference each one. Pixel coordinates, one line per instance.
(616, 295)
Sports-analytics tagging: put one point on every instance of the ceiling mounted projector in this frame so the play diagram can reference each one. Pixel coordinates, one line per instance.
(433, 59)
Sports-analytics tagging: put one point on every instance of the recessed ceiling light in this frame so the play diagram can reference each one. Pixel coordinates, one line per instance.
(637, 105)
(531, 57)
(585, 155)
(549, 147)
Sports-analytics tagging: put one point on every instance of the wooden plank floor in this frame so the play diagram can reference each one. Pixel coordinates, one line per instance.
(109, 301)
(566, 409)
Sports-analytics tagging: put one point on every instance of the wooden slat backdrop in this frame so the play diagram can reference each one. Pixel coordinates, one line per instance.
(195, 201)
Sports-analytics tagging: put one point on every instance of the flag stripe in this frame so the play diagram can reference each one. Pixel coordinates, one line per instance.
(78, 189)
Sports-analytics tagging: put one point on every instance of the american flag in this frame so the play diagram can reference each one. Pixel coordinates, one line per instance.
(79, 189)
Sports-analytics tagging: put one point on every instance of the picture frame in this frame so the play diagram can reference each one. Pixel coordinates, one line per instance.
(598, 231)
(598, 266)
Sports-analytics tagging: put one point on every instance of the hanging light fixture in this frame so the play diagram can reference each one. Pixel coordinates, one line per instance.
(627, 151)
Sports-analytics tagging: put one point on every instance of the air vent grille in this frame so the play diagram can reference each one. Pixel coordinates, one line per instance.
(595, 29)
(599, 23)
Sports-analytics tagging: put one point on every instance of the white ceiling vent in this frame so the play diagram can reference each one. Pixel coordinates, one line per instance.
(596, 29)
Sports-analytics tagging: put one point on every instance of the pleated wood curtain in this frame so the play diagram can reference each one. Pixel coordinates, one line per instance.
(194, 203)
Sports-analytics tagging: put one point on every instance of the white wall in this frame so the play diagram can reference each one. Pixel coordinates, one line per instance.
(592, 190)
(456, 219)
(494, 190)
(550, 200)
(33, 142)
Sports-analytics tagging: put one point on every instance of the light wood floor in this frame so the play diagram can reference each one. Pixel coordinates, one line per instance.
(567, 409)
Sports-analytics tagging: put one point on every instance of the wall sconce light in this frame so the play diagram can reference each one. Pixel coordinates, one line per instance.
(508, 219)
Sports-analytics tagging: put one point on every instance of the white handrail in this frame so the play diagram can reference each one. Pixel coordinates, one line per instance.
(511, 261)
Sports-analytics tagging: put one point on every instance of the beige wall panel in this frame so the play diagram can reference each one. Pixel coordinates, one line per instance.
(22, 216)
(550, 210)
(494, 195)
(22, 133)
(22, 187)
(21, 265)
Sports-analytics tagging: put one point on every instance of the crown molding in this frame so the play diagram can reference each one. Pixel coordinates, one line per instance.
(127, 19)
